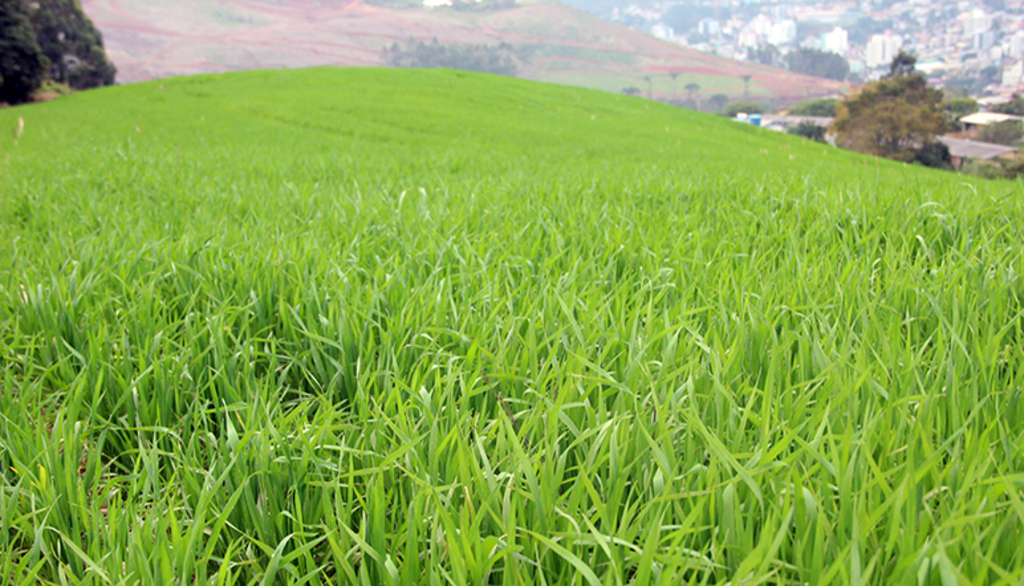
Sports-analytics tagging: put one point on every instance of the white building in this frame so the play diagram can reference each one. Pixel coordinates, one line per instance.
(782, 32)
(1012, 74)
(975, 22)
(663, 31)
(836, 41)
(1014, 47)
(709, 27)
(882, 49)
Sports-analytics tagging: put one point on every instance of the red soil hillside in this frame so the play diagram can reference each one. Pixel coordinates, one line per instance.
(150, 39)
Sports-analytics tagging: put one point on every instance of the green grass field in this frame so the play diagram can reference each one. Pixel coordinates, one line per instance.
(427, 327)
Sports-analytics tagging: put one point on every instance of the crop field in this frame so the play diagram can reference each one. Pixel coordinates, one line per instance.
(426, 327)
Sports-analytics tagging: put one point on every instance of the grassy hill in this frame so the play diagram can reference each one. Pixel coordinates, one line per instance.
(424, 327)
(150, 39)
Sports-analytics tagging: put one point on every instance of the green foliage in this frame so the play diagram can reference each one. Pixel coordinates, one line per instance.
(985, 169)
(902, 65)
(809, 130)
(480, 58)
(767, 55)
(72, 44)
(893, 117)
(825, 107)
(22, 64)
(1005, 132)
(632, 91)
(735, 108)
(1015, 106)
(718, 101)
(428, 327)
(935, 155)
(962, 106)
(818, 63)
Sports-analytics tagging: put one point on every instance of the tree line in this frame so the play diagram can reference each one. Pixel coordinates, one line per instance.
(49, 40)
(811, 62)
(482, 58)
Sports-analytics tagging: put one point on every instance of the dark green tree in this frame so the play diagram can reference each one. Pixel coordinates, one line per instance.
(935, 155)
(1005, 132)
(482, 58)
(822, 107)
(1015, 106)
(818, 64)
(72, 44)
(22, 65)
(766, 55)
(746, 107)
(718, 101)
(809, 130)
(902, 65)
(962, 106)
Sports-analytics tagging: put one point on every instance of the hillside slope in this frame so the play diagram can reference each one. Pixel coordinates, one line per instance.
(369, 326)
(157, 38)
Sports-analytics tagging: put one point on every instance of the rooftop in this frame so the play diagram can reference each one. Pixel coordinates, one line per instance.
(970, 149)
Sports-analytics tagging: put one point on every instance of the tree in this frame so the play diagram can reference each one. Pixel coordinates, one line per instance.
(650, 87)
(818, 64)
(902, 65)
(962, 106)
(674, 75)
(1005, 132)
(22, 64)
(766, 55)
(72, 44)
(809, 130)
(691, 88)
(935, 155)
(746, 85)
(1015, 106)
(893, 117)
(718, 101)
(825, 107)
(482, 58)
(631, 91)
(746, 107)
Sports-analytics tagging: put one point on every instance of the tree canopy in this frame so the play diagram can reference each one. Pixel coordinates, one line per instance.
(72, 44)
(818, 63)
(743, 106)
(825, 107)
(482, 58)
(22, 65)
(894, 117)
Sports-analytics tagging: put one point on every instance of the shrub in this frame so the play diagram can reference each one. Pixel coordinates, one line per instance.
(810, 131)
(1005, 132)
(821, 107)
(742, 106)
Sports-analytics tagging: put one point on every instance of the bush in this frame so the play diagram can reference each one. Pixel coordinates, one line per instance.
(1005, 132)
(736, 107)
(983, 169)
(810, 131)
(718, 101)
(823, 107)
(22, 64)
(481, 58)
(935, 155)
(962, 106)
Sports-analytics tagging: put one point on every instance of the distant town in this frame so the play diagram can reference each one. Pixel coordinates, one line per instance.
(969, 48)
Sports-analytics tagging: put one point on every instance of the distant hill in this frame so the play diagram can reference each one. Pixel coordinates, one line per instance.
(150, 39)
